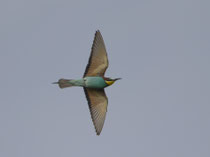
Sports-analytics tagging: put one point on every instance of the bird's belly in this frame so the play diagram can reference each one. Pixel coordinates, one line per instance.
(94, 82)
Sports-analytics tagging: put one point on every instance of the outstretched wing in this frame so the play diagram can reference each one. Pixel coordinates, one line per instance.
(97, 102)
(98, 61)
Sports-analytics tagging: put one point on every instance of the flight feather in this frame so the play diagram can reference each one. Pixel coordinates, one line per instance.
(98, 61)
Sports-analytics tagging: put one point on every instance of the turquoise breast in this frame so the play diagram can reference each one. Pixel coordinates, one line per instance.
(95, 82)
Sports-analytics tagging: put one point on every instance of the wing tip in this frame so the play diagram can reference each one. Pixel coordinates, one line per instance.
(98, 132)
(98, 32)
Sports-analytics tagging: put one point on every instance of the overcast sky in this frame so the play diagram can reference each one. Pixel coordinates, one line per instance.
(161, 49)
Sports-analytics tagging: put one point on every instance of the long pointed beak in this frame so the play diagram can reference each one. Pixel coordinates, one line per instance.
(55, 83)
(117, 79)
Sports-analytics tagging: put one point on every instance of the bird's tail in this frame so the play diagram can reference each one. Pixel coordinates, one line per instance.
(63, 83)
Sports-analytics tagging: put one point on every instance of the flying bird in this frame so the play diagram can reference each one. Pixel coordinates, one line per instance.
(94, 82)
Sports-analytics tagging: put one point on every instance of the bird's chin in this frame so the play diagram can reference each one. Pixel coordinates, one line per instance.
(109, 83)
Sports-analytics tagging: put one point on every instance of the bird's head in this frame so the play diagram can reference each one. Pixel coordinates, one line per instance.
(110, 81)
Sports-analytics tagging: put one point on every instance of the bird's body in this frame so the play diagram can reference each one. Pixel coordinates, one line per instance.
(94, 82)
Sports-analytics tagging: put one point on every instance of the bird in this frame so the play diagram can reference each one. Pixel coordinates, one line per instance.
(94, 82)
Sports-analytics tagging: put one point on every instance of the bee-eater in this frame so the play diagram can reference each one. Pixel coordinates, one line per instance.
(94, 82)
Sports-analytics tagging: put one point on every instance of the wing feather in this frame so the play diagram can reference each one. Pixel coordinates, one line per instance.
(97, 102)
(98, 61)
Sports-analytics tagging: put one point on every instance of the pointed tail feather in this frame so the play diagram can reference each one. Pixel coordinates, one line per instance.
(63, 83)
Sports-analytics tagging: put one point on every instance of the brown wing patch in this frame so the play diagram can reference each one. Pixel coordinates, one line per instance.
(97, 102)
(98, 61)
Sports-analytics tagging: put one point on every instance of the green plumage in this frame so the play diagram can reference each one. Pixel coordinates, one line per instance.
(89, 82)
(95, 82)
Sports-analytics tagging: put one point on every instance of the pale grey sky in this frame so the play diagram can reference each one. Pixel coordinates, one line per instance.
(159, 109)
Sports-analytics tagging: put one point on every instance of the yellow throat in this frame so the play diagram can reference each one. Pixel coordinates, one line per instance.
(109, 82)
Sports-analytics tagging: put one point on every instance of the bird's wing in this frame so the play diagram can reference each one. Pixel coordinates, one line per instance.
(97, 102)
(98, 61)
